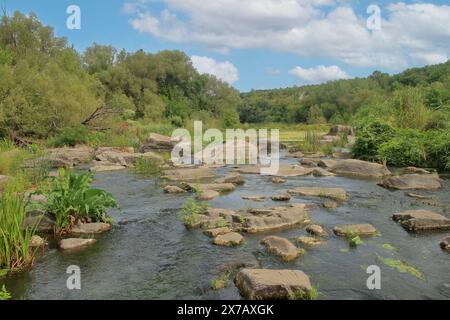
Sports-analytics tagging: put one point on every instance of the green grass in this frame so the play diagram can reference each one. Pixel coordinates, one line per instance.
(301, 294)
(221, 282)
(147, 167)
(4, 294)
(191, 211)
(354, 239)
(15, 242)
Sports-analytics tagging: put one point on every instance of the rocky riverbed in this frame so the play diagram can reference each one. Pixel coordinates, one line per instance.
(298, 222)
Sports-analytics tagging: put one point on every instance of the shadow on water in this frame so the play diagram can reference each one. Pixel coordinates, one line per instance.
(150, 255)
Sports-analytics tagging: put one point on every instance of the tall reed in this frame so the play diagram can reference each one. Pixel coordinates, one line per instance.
(15, 240)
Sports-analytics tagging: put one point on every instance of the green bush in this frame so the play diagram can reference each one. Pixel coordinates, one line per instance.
(369, 139)
(437, 145)
(70, 137)
(71, 197)
(407, 148)
(191, 211)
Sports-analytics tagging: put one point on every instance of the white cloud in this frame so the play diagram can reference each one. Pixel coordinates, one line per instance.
(224, 71)
(411, 34)
(273, 71)
(318, 74)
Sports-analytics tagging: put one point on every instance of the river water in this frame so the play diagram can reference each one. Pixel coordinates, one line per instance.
(152, 256)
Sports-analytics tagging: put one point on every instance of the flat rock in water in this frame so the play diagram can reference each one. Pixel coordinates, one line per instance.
(188, 174)
(313, 162)
(317, 230)
(281, 197)
(413, 181)
(173, 190)
(68, 157)
(71, 244)
(422, 220)
(337, 194)
(233, 177)
(363, 230)
(417, 170)
(418, 196)
(229, 239)
(283, 171)
(207, 195)
(219, 187)
(297, 154)
(330, 205)
(265, 284)
(104, 166)
(212, 233)
(90, 228)
(254, 198)
(278, 180)
(276, 218)
(356, 168)
(281, 247)
(309, 241)
(445, 244)
(320, 172)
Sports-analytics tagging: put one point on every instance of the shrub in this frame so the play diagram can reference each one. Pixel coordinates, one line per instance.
(301, 294)
(145, 166)
(70, 137)
(71, 197)
(437, 145)
(369, 139)
(311, 142)
(15, 242)
(407, 148)
(191, 211)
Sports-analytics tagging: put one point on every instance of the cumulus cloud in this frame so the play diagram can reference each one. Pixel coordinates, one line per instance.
(318, 74)
(411, 34)
(224, 71)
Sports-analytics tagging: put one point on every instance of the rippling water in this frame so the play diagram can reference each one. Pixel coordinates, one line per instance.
(154, 257)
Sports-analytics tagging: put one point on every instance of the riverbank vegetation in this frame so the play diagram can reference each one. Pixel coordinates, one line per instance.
(71, 199)
(55, 96)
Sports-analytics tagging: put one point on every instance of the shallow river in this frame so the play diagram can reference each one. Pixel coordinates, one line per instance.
(153, 256)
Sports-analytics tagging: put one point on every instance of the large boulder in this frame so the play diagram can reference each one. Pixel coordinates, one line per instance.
(275, 218)
(445, 244)
(73, 244)
(231, 239)
(188, 174)
(157, 142)
(281, 247)
(64, 157)
(82, 229)
(39, 220)
(356, 168)
(413, 181)
(422, 220)
(362, 230)
(337, 194)
(264, 284)
(125, 156)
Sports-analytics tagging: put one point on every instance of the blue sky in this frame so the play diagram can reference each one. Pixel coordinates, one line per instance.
(257, 44)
